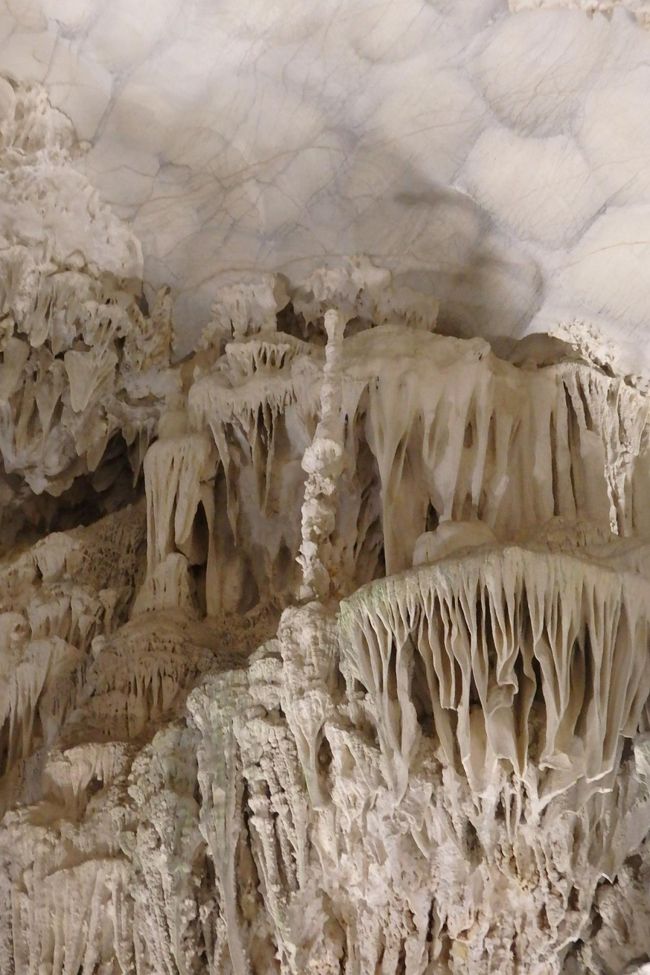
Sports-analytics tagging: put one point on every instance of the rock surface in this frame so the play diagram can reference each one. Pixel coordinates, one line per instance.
(325, 648)
(498, 152)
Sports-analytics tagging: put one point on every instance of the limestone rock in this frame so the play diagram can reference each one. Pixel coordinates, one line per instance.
(326, 648)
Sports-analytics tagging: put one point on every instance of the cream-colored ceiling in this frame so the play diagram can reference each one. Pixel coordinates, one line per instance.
(499, 158)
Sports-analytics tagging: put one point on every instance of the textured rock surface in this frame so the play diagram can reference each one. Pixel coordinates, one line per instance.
(325, 649)
(242, 735)
(84, 370)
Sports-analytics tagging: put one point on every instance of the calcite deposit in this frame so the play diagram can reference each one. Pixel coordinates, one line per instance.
(324, 647)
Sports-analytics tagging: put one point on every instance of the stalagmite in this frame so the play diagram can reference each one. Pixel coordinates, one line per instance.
(322, 462)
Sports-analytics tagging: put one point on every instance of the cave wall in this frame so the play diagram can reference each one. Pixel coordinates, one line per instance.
(324, 648)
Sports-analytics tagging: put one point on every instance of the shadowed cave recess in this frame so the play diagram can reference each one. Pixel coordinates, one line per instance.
(324, 649)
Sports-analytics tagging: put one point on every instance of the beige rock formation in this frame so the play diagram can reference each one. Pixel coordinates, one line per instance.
(323, 650)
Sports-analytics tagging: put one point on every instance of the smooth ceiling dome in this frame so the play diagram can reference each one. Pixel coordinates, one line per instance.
(497, 156)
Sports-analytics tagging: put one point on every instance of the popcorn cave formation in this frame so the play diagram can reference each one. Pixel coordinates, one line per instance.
(324, 649)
